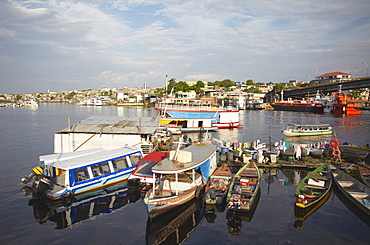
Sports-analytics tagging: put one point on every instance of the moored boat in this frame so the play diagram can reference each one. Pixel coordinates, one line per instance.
(218, 185)
(181, 177)
(355, 192)
(143, 171)
(224, 117)
(314, 187)
(352, 147)
(364, 175)
(298, 106)
(186, 125)
(301, 214)
(244, 187)
(343, 104)
(307, 130)
(69, 174)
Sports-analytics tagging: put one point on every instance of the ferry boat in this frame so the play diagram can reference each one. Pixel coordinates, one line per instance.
(181, 177)
(225, 117)
(307, 130)
(69, 174)
(186, 125)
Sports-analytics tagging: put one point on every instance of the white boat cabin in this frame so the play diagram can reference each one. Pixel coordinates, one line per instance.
(83, 171)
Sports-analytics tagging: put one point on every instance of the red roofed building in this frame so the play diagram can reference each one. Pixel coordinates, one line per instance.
(333, 77)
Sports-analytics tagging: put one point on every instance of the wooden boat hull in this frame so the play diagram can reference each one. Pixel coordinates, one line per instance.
(244, 187)
(353, 191)
(159, 205)
(314, 187)
(364, 175)
(218, 185)
(302, 214)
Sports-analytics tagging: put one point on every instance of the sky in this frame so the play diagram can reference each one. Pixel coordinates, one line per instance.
(62, 45)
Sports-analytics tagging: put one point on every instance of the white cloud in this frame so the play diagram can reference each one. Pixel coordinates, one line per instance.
(139, 41)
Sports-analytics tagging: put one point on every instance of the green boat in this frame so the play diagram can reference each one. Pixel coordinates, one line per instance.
(314, 187)
(244, 188)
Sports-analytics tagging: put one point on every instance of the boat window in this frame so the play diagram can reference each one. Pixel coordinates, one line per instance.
(81, 175)
(100, 169)
(120, 163)
(59, 171)
(135, 158)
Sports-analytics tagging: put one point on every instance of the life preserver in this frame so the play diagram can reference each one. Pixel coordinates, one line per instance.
(67, 194)
(334, 143)
(336, 152)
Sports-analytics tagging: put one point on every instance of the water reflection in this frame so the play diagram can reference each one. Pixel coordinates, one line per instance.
(235, 218)
(176, 226)
(301, 214)
(69, 213)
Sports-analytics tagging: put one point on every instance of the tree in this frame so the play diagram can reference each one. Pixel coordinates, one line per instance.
(252, 90)
(249, 82)
(182, 86)
(171, 84)
(280, 86)
(197, 87)
(357, 93)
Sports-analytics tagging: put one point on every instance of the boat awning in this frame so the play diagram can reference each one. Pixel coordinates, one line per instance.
(85, 158)
(114, 125)
(200, 154)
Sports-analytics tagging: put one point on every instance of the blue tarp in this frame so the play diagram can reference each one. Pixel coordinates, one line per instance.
(205, 170)
(188, 114)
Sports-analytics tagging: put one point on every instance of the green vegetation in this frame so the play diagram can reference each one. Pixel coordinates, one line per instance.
(357, 93)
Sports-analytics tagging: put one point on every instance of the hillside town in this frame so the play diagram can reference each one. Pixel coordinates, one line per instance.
(244, 95)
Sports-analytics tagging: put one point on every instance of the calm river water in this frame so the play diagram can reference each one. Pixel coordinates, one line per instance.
(120, 217)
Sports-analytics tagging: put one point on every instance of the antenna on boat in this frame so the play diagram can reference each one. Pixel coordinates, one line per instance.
(180, 142)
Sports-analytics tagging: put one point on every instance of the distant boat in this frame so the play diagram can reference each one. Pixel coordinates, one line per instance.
(343, 104)
(307, 130)
(181, 177)
(298, 106)
(224, 117)
(218, 185)
(244, 187)
(186, 125)
(30, 103)
(70, 174)
(314, 187)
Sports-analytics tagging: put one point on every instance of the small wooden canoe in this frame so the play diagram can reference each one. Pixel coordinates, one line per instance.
(244, 188)
(314, 187)
(218, 185)
(353, 191)
(364, 175)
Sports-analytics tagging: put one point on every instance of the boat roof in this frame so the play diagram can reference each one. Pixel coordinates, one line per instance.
(184, 119)
(310, 125)
(114, 125)
(200, 153)
(79, 159)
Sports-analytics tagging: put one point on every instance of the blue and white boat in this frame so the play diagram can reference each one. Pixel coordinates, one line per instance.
(70, 174)
(223, 117)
